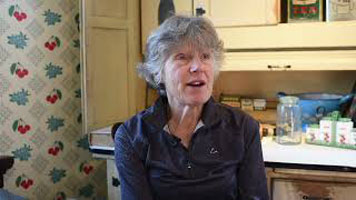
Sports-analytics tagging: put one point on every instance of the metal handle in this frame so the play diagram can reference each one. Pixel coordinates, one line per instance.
(316, 198)
(285, 67)
(115, 182)
(200, 11)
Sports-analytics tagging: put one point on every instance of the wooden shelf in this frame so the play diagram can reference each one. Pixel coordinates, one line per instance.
(268, 116)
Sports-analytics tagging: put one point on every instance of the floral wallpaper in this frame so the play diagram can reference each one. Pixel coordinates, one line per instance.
(40, 116)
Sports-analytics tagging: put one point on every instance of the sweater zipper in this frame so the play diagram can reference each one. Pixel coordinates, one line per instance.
(189, 163)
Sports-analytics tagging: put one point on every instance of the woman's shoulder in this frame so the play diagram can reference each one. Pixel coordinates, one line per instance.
(141, 125)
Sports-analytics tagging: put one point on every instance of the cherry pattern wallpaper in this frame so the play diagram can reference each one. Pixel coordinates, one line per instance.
(40, 115)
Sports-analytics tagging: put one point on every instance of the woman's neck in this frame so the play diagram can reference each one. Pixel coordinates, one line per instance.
(182, 121)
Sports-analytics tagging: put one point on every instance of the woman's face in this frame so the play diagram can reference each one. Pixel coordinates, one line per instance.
(188, 75)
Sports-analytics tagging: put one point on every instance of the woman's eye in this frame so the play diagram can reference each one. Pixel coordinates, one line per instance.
(181, 56)
(205, 56)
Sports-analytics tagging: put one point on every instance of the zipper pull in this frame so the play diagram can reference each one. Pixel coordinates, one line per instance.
(189, 166)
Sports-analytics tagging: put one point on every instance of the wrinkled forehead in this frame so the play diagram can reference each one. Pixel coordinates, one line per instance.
(190, 47)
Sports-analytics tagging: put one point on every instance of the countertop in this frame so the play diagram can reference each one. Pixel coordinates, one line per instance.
(307, 154)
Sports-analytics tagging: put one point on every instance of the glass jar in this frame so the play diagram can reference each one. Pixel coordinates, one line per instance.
(289, 123)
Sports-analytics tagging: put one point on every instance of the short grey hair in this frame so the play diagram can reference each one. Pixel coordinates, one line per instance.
(174, 32)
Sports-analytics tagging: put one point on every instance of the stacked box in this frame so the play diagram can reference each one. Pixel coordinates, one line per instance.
(343, 131)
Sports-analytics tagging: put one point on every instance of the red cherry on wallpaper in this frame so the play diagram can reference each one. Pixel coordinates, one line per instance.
(30, 182)
(51, 47)
(16, 14)
(90, 168)
(21, 129)
(50, 150)
(56, 149)
(53, 100)
(48, 98)
(86, 169)
(27, 127)
(46, 44)
(55, 96)
(20, 73)
(24, 184)
(54, 44)
(23, 15)
(25, 71)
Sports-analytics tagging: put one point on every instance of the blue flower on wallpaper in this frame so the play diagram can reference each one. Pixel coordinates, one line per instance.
(57, 174)
(86, 191)
(78, 68)
(23, 153)
(77, 20)
(51, 18)
(78, 93)
(20, 97)
(76, 43)
(83, 142)
(18, 40)
(54, 123)
(53, 70)
(79, 118)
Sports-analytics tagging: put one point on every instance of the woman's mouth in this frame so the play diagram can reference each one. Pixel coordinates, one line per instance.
(196, 83)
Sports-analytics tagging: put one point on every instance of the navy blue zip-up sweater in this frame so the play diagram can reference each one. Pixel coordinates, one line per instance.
(223, 161)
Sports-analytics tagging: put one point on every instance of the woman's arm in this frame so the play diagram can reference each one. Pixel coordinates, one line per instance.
(132, 173)
(252, 175)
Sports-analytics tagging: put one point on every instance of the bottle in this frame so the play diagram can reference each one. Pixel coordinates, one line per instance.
(289, 123)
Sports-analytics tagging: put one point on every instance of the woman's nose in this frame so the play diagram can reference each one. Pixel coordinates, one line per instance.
(196, 65)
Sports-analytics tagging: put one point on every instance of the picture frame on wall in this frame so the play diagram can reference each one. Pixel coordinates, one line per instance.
(305, 11)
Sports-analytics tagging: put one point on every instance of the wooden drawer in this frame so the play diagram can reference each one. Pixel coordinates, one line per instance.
(312, 190)
(298, 184)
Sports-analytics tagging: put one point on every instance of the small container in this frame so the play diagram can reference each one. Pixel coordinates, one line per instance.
(259, 104)
(340, 10)
(313, 133)
(305, 10)
(247, 104)
(353, 137)
(289, 123)
(343, 130)
(327, 129)
(231, 100)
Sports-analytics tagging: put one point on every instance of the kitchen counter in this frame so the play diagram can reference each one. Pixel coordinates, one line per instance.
(308, 154)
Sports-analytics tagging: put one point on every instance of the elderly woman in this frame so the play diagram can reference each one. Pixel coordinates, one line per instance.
(187, 146)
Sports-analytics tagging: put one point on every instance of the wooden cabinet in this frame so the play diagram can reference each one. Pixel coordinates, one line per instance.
(111, 90)
(253, 45)
(149, 15)
(282, 60)
(298, 46)
(231, 13)
(296, 184)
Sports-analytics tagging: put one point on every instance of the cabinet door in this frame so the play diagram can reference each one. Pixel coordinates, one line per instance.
(316, 35)
(229, 13)
(110, 51)
(298, 189)
(290, 60)
(149, 15)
